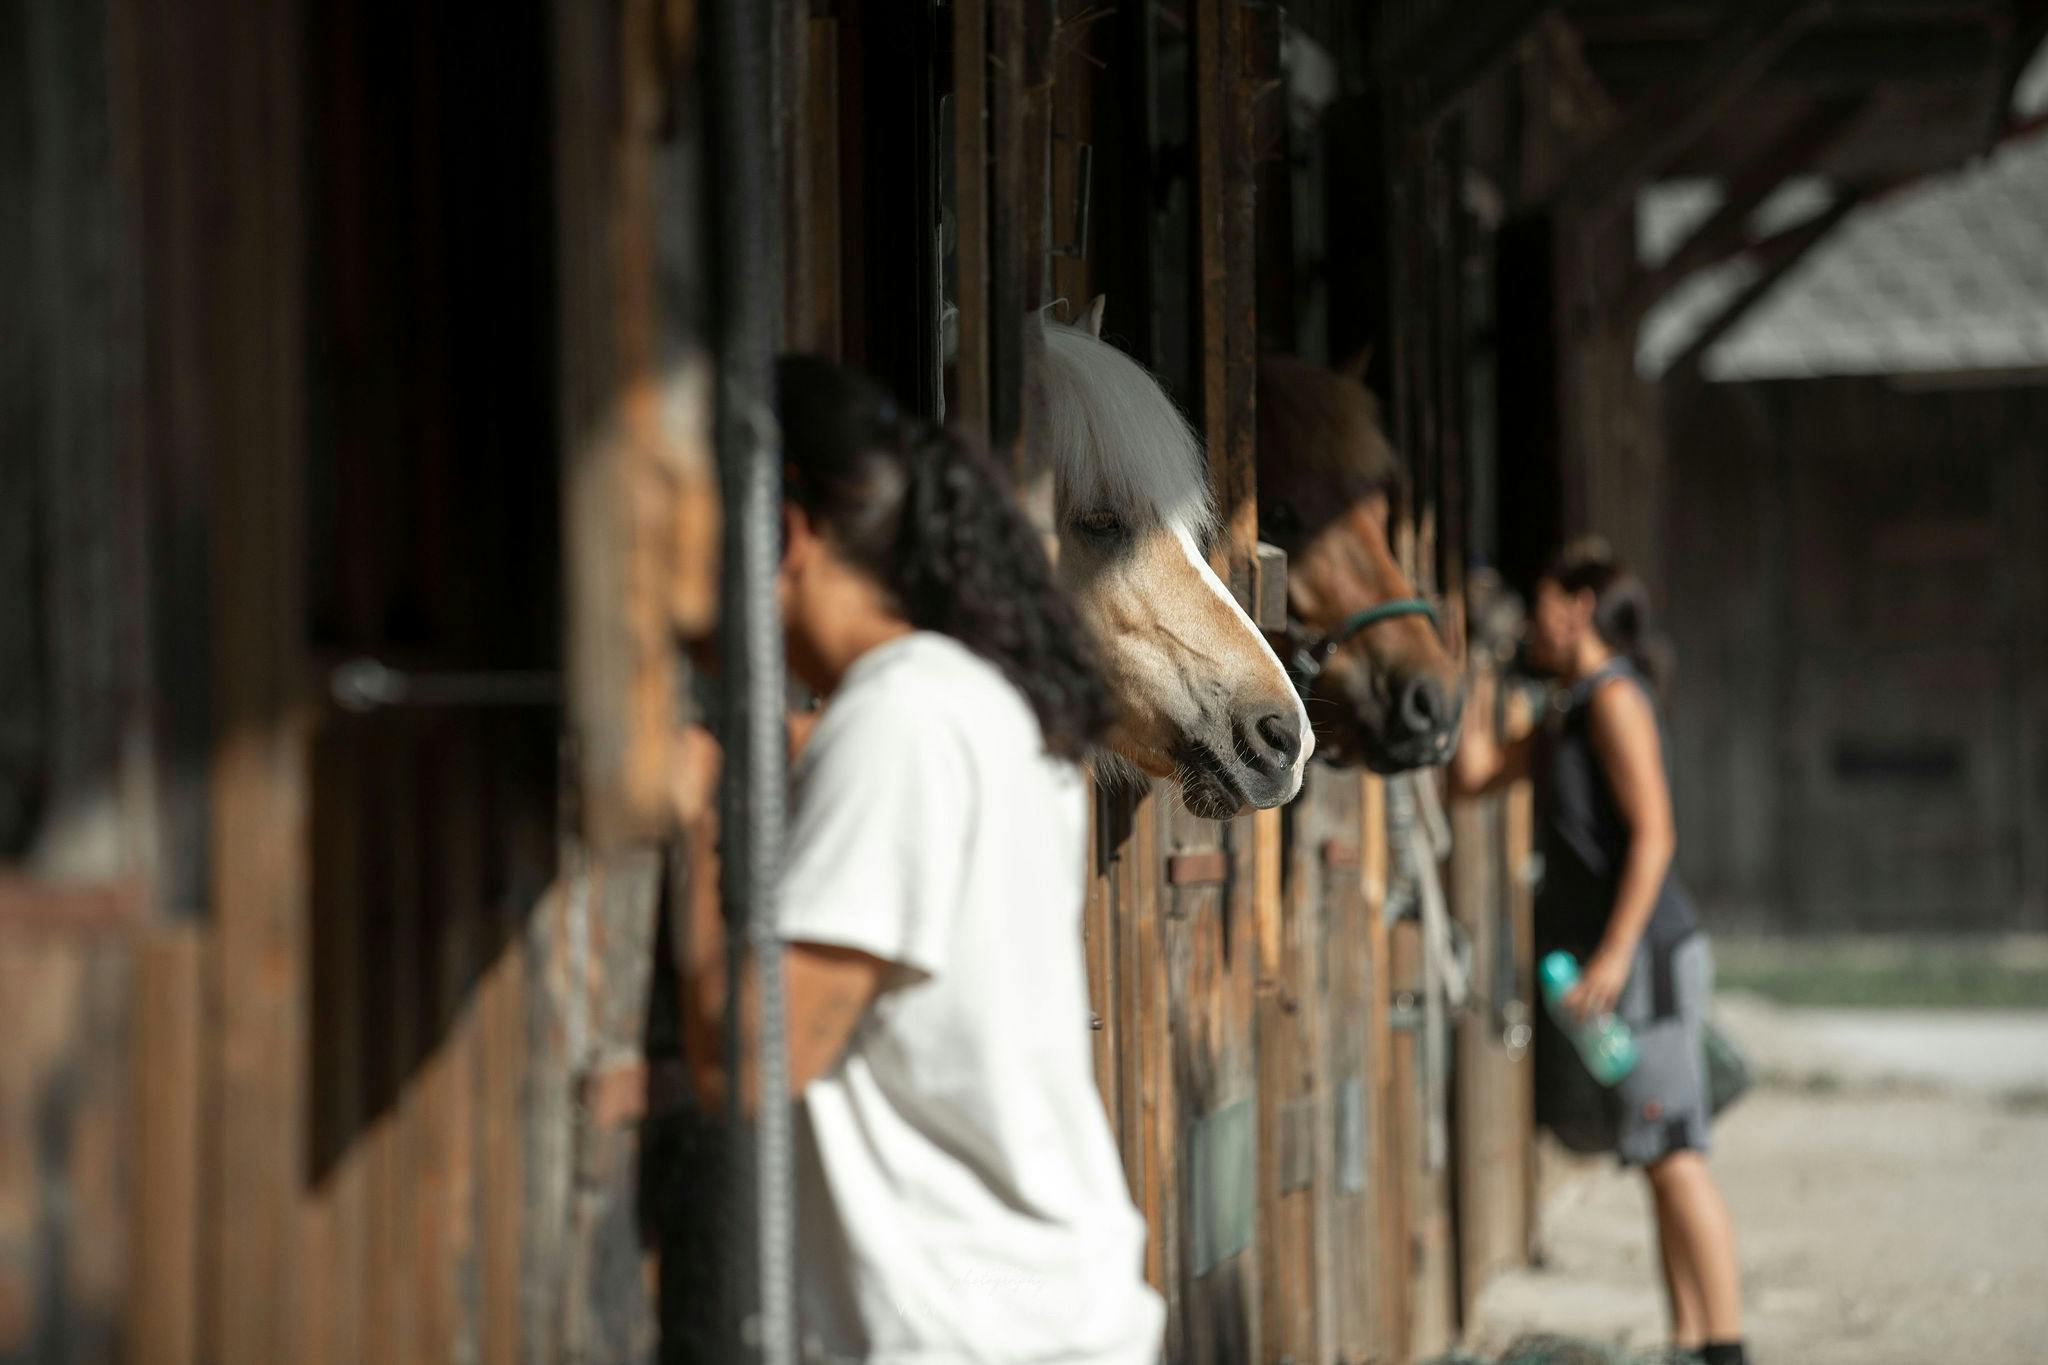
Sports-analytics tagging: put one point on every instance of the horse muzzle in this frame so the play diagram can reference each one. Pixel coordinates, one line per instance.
(1412, 725)
(1257, 764)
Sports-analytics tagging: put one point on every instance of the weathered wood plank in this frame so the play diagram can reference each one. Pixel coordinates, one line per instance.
(815, 263)
(163, 1323)
(554, 1026)
(452, 1233)
(337, 1259)
(1039, 22)
(1517, 849)
(1350, 1186)
(1292, 1112)
(1149, 1139)
(65, 1096)
(1487, 1130)
(1391, 1258)
(1103, 943)
(501, 1056)
(970, 392)
(252, 368)
(1007, 261)
(620, 566)
(1216, 959)
(1432, 1309)
(391, 1043)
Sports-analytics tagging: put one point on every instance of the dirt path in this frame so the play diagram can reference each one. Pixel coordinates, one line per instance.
(1882, 1220)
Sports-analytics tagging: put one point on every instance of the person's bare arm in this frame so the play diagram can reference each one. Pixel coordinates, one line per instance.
(826, 990)
(1623, 730)
(1482, 763)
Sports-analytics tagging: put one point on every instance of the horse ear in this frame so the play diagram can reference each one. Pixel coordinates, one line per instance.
(1091, 316)
(1357, 363)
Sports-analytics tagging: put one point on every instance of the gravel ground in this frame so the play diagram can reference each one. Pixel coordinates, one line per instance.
(1890, 1190)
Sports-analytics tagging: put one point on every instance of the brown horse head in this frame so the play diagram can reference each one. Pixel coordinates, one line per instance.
(1388, 693)
(1200, 695)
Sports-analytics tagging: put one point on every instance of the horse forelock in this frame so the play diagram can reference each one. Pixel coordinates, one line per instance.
(1116, 438)
(1324, 422)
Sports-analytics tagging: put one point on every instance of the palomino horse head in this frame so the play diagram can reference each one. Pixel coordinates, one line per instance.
(1387, 693)
(1199, 693)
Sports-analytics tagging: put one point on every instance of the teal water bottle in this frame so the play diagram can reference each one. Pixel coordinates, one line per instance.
(1604, 1042)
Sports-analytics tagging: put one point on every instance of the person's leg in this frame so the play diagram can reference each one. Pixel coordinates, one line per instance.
(1681, 1282)
(1690, 1204)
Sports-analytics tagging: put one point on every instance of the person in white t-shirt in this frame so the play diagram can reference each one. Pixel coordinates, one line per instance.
(960, 1198)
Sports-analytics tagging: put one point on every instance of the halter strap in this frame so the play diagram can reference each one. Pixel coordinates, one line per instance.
(1372, 616)
(1307, 663)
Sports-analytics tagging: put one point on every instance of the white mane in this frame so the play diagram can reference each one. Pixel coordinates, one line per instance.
(1115, 437)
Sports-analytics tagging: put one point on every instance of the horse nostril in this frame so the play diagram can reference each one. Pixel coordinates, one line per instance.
(1425, 708)
(1277, 740)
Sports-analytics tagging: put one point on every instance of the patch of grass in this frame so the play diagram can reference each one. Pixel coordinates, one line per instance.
(1887, 973)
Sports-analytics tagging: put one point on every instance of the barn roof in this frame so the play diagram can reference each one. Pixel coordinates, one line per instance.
(1947, 274)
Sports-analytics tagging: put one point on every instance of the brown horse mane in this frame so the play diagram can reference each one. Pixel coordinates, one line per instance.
(1325, 422)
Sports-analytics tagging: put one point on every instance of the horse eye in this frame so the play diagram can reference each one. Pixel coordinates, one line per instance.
(1099, 525)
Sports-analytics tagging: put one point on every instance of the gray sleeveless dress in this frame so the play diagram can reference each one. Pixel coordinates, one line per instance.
(1662, 1106)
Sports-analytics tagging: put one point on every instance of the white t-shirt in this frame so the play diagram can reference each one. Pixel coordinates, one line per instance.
(959, 1193)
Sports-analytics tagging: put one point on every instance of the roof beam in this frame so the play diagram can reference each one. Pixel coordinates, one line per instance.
(1464, 45)
(1776, 256)
(1926, 52)
(1651, 135)
(1625, 21)
(2027, 29)
(1726, 231)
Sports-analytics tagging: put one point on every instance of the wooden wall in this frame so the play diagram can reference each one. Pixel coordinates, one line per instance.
(340, 1030)
(1857, 599)
(310, 1022)
(1247, 973)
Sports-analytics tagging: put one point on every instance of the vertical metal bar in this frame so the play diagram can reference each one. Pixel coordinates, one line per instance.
(746, 299)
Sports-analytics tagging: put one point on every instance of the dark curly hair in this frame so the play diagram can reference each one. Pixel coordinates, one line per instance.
(928, 515)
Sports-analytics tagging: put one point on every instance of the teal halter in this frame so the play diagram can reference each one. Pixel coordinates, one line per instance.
(1308, 661)
(1372, 616)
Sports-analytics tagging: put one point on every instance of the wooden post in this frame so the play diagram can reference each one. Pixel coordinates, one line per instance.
(1214, 942)
(1390, 1285)
(246, 235)
(1494, 1106)
(168, 1127)
(639, 520)
(970, 395)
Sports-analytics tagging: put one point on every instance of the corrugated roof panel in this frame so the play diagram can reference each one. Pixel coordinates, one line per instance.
(1949, 274)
